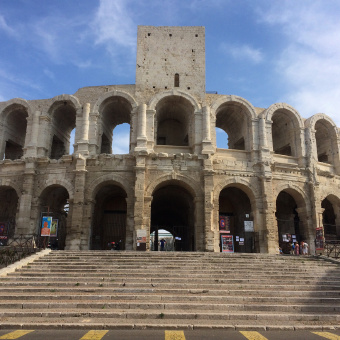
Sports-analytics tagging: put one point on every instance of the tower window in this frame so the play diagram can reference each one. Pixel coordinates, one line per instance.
(176, 80)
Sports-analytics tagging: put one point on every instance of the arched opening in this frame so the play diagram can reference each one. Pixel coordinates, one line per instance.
(14, 132)
(8, 210)
(174, 119)
(121, 139)
(109, 219)
(325, 141)
(232, 118)
(330, 218)
(54, 203)
(63, 115)
(284, 133)
(172, 209)
(115, 111)
(162, 240)
(291, 228)
(236, 219)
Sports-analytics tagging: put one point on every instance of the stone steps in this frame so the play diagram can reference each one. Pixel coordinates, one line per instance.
(176, 289)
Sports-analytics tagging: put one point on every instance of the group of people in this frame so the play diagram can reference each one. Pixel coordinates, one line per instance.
(299, 249)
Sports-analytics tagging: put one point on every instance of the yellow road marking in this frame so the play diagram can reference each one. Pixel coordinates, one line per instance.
(94, 335)
(253, 335)
(328, 335)
(15, 334)
(174, 335)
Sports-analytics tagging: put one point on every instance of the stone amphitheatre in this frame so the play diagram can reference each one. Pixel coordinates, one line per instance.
(277, 170)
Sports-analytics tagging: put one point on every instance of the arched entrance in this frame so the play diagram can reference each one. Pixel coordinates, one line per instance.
(236, 212)
(54, 203)
(8, 209)
(109, 221)
(331, 218)
(172, 209)
(290, 225)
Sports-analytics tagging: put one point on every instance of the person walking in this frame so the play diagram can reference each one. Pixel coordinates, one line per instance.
(296, 248)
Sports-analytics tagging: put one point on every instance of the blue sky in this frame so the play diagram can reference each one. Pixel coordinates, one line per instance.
(265, 51)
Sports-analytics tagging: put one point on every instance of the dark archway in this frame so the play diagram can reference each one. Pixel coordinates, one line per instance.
(329, 218)
(290, 226)
(54, 203)
(235, 208)
(8, 209)
(109, 220)
(172, 209)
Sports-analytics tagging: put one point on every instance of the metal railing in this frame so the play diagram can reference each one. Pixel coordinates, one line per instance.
(332, 248)
(17, 248)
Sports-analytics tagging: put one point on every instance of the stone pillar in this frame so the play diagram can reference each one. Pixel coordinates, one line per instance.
(207, 147)
(263, 134)
(139, 222)
(25, 224)
(268, 236)
(31, 149)
(83, 142)
(75, 228)
(209, 226)
(94, 142)
(44, 138)
(200, 235)
(141, 137)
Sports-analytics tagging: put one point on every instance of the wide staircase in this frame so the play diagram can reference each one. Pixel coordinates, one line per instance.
(117, 289)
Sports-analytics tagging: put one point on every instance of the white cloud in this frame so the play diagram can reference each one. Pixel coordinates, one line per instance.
(243, 52)
(5, 27)
(309, 63)
(113, 25)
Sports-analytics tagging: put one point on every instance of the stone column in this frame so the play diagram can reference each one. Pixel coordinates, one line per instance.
(25, 224)
(83, 142)
(75, 228)
(268, 236)
(31, 149)
(206, 131)
(209, 226)
(139, 222)
(44, 138)
(200, 235)
(141, 138)
(93, 137)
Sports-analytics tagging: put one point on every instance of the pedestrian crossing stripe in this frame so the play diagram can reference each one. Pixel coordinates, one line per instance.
(253, 335)
(327, 335)
(174, 335)
(94, 335)
(15, 334)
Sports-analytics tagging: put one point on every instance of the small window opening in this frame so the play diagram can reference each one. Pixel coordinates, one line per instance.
(176, 80)
(153, 87)
(149, 34)
(188, 87)
(170, 35)
(166, 87)
(196, 35)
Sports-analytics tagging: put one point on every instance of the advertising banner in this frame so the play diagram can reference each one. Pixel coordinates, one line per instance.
(3, 231)
(54, 228)
(46, 225)
(248, 226)
(227, 243)
(224, 224)
(141, 236)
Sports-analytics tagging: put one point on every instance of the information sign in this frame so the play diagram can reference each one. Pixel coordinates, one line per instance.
(227, 243)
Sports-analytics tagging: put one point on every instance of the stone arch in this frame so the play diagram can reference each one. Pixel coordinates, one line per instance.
(234, 115)
(324, 138)
(252, 192)
(295, 191)
(113, 178)
(114, 93)
(59, 182)
(187, 183)
(287, 126)
(13, 130)
(330, 205)
(10, 184)
(231, 98)
(65, 98)
(161, 95)
(15, 101)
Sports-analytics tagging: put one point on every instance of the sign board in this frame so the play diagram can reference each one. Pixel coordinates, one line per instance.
(248, 226)
(227, 243)
(3, 232)
(224, 224)
(46, 225)
(141, 236)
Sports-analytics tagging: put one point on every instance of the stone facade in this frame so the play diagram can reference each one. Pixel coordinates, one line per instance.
(280, 170)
